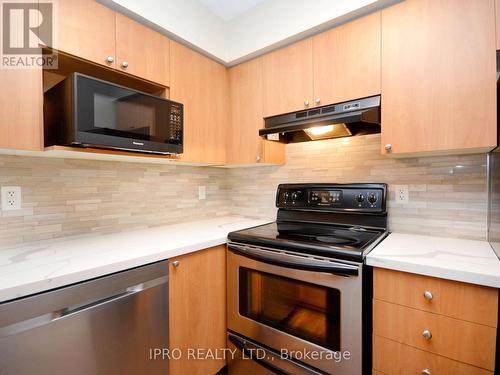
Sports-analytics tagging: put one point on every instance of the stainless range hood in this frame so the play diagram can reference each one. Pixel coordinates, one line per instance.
(356, 117)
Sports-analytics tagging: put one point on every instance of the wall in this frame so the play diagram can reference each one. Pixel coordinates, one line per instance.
(63, 197)
(447, 193)
(248, 33)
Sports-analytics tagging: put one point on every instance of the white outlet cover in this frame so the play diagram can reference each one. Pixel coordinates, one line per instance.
(202, 192)
(11, 198)
(402, 194)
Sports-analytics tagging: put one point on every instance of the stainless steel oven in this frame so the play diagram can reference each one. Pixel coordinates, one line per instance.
(304, 309)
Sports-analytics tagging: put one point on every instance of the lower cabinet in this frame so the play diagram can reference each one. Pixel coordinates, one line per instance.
(197, 309)
(432, 326)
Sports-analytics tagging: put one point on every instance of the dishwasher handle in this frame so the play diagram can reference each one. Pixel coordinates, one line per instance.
(54, 316)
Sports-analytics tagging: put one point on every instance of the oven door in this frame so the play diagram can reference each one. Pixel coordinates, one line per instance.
(309, 309)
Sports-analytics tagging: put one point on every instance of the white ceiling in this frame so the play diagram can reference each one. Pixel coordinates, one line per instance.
(232, 31)
(227, 9)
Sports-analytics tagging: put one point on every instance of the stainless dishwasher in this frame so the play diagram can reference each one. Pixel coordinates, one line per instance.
(107, 325)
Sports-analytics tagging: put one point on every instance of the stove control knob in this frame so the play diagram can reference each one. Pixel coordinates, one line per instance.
(286, 197)
(360, 198)
(372, 198)
(295, 195)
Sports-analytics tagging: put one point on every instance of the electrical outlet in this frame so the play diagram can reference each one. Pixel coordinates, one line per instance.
(202, 192)
(402, 194)
(11, 198)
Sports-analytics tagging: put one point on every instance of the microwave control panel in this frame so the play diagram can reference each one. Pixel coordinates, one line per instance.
(176, 121)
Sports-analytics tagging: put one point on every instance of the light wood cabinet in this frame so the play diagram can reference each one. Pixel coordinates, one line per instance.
(86, 29)
(438, 77)
(346, 61)
(287, 79)
(197, 308)
(456, 339)
(392, 358)
(244, 145)
(202, 86)
(459, 321)
(142, 51)
(497, 21)
(21, 108)
(473, 303)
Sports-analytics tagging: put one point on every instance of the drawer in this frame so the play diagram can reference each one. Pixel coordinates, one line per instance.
(459, 340)
(463, 301)
(391, 358)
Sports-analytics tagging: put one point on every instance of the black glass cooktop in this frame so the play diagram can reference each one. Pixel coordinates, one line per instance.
(328, 240)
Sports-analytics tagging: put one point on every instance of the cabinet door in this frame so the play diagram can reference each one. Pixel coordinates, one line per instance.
(438, 76)
(197, 308)
(202, 86)
(87, 30)
(497, 20)
(21, 108)
(347, 61)
(287, 79)
(244, 146)
(142, 51)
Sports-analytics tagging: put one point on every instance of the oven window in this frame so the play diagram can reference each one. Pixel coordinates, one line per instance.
(307, 311)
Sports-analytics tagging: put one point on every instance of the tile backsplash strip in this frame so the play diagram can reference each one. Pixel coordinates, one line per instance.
(447, 193)
(64, 197)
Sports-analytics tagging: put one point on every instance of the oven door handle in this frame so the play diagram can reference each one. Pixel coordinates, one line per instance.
(271, 360)
(295, 262)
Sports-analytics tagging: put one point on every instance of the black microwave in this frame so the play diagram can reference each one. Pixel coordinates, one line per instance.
(85, 111)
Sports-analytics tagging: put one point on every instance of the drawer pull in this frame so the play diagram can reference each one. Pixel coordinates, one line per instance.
(428, 295)
(427, 334)
(426, 372)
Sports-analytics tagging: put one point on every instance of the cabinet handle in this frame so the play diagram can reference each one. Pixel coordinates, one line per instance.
(124, 65)
(388, 147)
(110, 59)
(176, 263)
(258, 158)
(427, 334)
(426, 372)
(317, 100)
(428, 295)
(306, 103)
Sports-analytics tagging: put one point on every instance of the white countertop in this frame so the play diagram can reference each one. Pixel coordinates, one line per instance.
(448, 258)
(34, 268)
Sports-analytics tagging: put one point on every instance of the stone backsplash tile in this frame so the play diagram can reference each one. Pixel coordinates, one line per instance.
(448, 195)
(63, 197)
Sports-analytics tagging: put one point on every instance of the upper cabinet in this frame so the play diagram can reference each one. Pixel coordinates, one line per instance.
(201, 85)
(142, 51)
(346, 61)
(96, 33)
(21, 124)
(497, 19)
(287, 79)
(438, 77)
(86, 29)
(244, 146)
(337, 65)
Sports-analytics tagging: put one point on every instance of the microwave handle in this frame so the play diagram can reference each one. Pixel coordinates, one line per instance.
(272, 360)
(295, 262)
